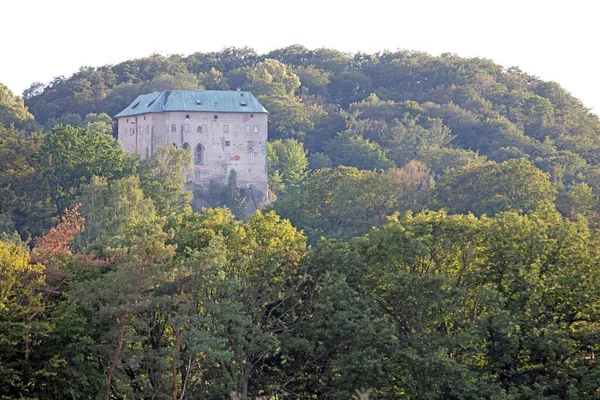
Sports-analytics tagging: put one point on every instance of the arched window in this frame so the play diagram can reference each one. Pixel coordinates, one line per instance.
(185, 146)
(199, 156)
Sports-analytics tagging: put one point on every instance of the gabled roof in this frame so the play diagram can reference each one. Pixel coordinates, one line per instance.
(193, 100)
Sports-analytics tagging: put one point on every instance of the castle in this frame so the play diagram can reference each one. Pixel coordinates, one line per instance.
(224, 130)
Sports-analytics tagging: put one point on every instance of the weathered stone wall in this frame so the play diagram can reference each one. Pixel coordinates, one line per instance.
(227, 141)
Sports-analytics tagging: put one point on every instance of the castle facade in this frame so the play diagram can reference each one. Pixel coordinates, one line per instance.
(224, 131)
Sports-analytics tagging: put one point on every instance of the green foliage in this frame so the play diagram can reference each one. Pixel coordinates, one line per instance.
(491, 188)
(25, 203)
(274, 86)
(109, 207)
(353, 150)
(287, 165)
(319, 160)
(12, 108)
(234, 198)
(478, 307)
(344, 202)
(163, 176)
(69, 157)
(423, 305)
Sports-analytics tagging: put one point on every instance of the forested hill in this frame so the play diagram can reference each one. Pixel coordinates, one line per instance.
(444, 102)
(373, 112)
(435, 236)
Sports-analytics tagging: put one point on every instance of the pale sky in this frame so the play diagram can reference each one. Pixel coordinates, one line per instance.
(555, 40)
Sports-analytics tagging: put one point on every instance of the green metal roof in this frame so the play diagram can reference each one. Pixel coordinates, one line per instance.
(194, 100)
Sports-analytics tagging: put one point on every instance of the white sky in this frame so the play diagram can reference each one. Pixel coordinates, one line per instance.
(555, 40)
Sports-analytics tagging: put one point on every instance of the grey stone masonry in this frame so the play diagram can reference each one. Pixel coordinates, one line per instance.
(218, 141)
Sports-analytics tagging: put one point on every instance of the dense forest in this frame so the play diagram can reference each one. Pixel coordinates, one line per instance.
(435, 236)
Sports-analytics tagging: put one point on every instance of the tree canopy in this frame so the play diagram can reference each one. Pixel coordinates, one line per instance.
(434, 235)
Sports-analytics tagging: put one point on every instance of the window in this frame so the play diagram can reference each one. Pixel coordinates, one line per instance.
(216, 116)
(147, 128)
(202, 128)
(173, 128)
(227, 143)
(185, 146)
(251, 158)
(187, 117)
(144, 117)
(197, 174)
(199, 156)
(152, 130)
(255, 128)
(248, 128)
(251, 115)
(186, 127)
(225, 128)
(131, 131)
(227, 156)
(250, 143)
(147, 152)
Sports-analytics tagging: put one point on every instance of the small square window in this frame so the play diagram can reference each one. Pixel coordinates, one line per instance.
(186, 117)
(173, 128)
(255, 128)
(225, 128)
(216, 116)
(251, 115)
(227, 143)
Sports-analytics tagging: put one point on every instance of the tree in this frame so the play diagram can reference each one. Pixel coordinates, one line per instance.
(235, 200)
(163, 176)
(20, 297)
(214, 80)
(110, 207)
(287, 163)
(354, 150)
(491, 188)
(102, 123)
(69, 157)
(12, 108)
(118, 303)
(274, 86)
(344, 202)
(25, 203)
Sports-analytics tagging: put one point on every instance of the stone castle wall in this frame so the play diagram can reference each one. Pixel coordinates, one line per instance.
(227, 141)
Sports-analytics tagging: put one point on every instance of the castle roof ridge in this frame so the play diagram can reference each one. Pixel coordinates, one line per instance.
(193, 101)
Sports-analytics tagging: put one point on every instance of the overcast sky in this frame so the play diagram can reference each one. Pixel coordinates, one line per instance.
(555, 40)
